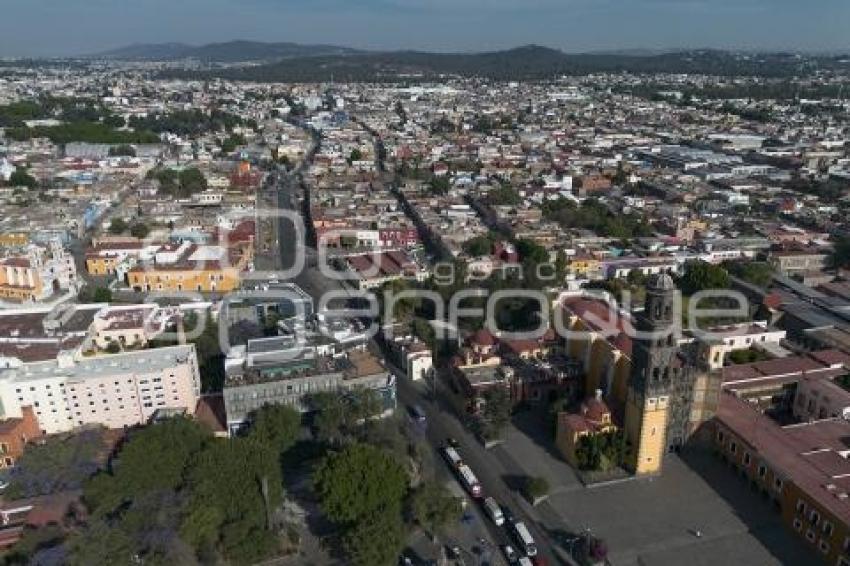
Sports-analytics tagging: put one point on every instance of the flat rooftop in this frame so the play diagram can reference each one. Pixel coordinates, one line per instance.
(156, 359)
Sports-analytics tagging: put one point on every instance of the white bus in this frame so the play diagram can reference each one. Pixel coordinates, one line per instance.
(524, 538)
(452, 457)
(470, 482)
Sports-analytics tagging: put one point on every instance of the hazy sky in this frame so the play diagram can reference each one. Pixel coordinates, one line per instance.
(65, 27)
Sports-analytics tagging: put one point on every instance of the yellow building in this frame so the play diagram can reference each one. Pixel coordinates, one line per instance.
(190, 267)
(583, 265)
(646, 425)
(19, 281)
(594, 418)
(14, 239)
(597, 337)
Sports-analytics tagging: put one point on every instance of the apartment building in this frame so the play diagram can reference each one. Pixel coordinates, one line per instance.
(115, 391)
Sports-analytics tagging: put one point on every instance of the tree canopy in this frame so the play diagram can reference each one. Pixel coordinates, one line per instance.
(180, 184)
(435, 508)
(361, 489)
(358, 481)
(175, 494)
(702, 276)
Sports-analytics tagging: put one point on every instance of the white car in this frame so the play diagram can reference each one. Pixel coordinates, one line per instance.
(494, 511)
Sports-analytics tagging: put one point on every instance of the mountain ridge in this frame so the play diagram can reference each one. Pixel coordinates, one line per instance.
(221, 52)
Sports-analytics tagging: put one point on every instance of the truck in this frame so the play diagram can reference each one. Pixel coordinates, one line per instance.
(524, 538)
(469, 481)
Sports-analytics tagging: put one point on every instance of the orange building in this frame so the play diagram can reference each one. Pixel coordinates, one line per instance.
(14, 435)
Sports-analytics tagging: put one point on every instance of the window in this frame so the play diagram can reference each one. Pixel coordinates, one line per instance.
(763, 472)
(798, 524)
(801, 507)
(777, 484)
(733, 447)
(827, 528)
(810, 535)
(824, 547)
(746, 458)
(814, 517)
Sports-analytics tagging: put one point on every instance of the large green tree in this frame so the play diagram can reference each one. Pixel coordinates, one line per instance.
(702, 276)
(358, 481)
(235, 485)
(376, 540)
(434, 507)
(174, 442)
(276, 426)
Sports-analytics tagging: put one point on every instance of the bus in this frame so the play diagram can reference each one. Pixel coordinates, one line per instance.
(524, 538)
(452, 457)
(469, 481)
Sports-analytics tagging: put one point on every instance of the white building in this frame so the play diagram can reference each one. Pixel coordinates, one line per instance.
(115, 391)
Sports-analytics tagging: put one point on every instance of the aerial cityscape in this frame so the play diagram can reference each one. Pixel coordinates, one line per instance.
(377, 301)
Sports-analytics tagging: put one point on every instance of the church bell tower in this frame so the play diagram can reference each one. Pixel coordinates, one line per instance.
(654, 371)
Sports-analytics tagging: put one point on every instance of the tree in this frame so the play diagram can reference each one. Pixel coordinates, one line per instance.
(117, 226)
(433, 507)
(504, 195)
(139, 230)
(359, 481)
(98, 295)
(701, 276)
(60, 463)
(233, 141)
(439, 185)
(276, 426)
(192, 181)
(531, 251)
(841, 253)
(21, 178)
(588, 455)
(497, 411)
(535, 488)
(123, 150)
(376, 540)
(758, 273)
(174, 442)
(113, 347)
(355, 155)
(102, 295)
(478, 246)
(236, 483)
(330, 416)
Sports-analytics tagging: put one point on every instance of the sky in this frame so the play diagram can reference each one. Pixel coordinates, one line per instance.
(74, 27)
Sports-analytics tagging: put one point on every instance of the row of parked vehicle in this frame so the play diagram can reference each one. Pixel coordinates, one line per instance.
(500, 516)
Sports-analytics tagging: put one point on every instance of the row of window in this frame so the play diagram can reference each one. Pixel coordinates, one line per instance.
(732, 447)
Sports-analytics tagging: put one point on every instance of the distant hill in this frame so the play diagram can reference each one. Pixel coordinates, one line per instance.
(530, 62)
(228, 52)
(292, 62)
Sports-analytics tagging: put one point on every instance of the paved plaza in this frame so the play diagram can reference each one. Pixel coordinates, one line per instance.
(652, 521)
